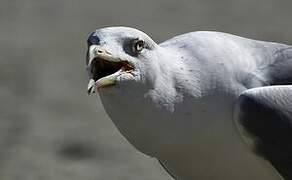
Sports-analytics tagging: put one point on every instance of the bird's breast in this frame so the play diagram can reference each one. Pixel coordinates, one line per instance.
(197, 140)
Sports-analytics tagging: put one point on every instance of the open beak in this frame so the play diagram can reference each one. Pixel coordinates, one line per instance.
(103, 68)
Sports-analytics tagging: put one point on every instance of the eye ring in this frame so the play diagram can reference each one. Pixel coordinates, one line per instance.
(138, 45)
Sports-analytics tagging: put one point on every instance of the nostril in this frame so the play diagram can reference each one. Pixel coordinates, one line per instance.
(99, 51)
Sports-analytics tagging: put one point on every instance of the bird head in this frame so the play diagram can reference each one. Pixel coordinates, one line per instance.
(119, 56)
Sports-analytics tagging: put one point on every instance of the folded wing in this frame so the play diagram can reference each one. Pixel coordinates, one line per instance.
(265, 114)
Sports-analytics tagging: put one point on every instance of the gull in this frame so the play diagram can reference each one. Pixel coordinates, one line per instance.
(207, 105)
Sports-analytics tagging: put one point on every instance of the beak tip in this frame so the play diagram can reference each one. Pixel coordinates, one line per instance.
(89, 91)
(91, 87)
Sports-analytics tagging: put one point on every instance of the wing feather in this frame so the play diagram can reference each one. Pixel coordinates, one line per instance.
(266, 114)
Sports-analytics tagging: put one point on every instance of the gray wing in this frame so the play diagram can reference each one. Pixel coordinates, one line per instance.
(279, 70)
(265, 113)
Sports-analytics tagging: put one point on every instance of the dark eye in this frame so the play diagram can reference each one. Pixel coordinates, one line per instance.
(138, 45)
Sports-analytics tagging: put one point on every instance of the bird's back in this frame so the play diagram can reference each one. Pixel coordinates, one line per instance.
(252, 63)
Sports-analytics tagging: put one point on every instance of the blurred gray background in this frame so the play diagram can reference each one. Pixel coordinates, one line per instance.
(49, 128)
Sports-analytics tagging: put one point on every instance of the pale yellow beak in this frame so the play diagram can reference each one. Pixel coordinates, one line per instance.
(94, 52)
